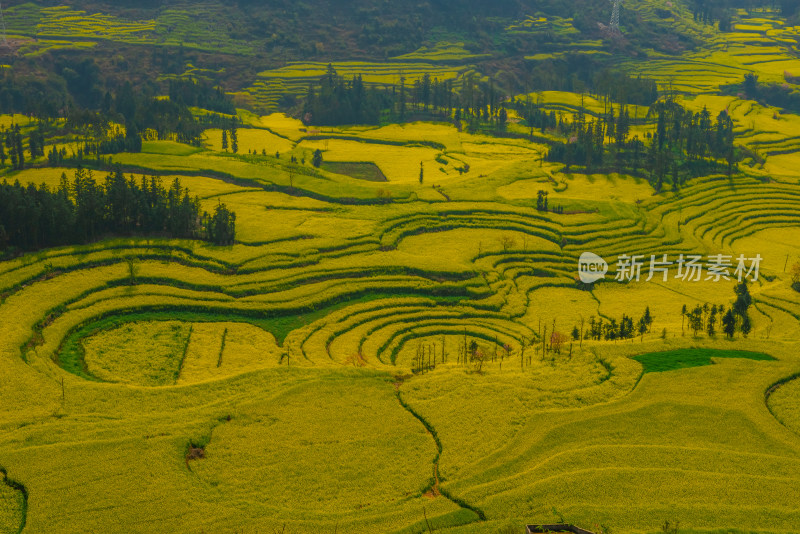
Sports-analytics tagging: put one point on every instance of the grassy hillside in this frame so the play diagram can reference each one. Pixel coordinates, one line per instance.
(263, 52)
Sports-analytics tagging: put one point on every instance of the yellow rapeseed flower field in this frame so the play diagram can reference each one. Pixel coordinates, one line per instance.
(406, 356)
(146, 353)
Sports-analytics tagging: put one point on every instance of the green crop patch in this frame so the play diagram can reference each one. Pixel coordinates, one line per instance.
(360, 171)
(657, 362)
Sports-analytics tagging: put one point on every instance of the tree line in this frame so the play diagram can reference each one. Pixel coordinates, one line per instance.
(721, 11)
(229, 130)
(13, 141)
(73, 92)
(339, 101)
(192, 93)
(684, 145)
(83, 210)
(335, 100)
(578, 73)
(137, 112)
(541, 203)
(779, 95)
(612, 329)
(719, 318)
(477, 103)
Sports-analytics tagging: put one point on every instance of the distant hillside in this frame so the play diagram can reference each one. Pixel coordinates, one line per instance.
(369, 29)
(545, 44)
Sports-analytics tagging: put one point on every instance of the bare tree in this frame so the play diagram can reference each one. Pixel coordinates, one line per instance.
(507, 242)
(557, 340)
(544, 346)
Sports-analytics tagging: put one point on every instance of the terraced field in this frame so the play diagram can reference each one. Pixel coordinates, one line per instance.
(36, 27)
(760, 44)
(372, 356)
(325, 351)
(444, 62)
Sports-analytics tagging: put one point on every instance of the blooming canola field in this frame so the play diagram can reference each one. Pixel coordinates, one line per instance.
(400, 355)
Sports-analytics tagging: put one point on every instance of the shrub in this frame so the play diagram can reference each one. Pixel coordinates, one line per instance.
(795, 273)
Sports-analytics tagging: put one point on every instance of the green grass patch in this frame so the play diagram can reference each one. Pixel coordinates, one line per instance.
(657, 362)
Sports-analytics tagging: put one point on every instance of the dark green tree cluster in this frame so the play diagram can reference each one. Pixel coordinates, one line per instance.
(16, 150)
(121, 143)
(720, 11)
(690, 142)
(541, 200)
(229, 132)
(578, 73)
(136, 110)
(316, 159)
(430, 92)
(139, 111)
(221, 226)
(727, 320)
(335, 100)
(95, 151)
(780, 95)
(73, 89)
(711, 11)
(195, 93)
(542, 204)
(83, 210)
(537, 116)
(339, 101)
(625, 328)
(684, 145)
(585, 145)
(480, 104)
(619, 87)
(36, 141)
(56, 157)
(32, 95)
(83, 79)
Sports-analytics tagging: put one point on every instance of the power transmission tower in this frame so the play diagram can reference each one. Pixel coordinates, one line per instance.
(613, 27)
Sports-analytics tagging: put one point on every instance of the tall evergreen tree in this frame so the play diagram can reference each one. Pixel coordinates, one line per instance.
(234, 137)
